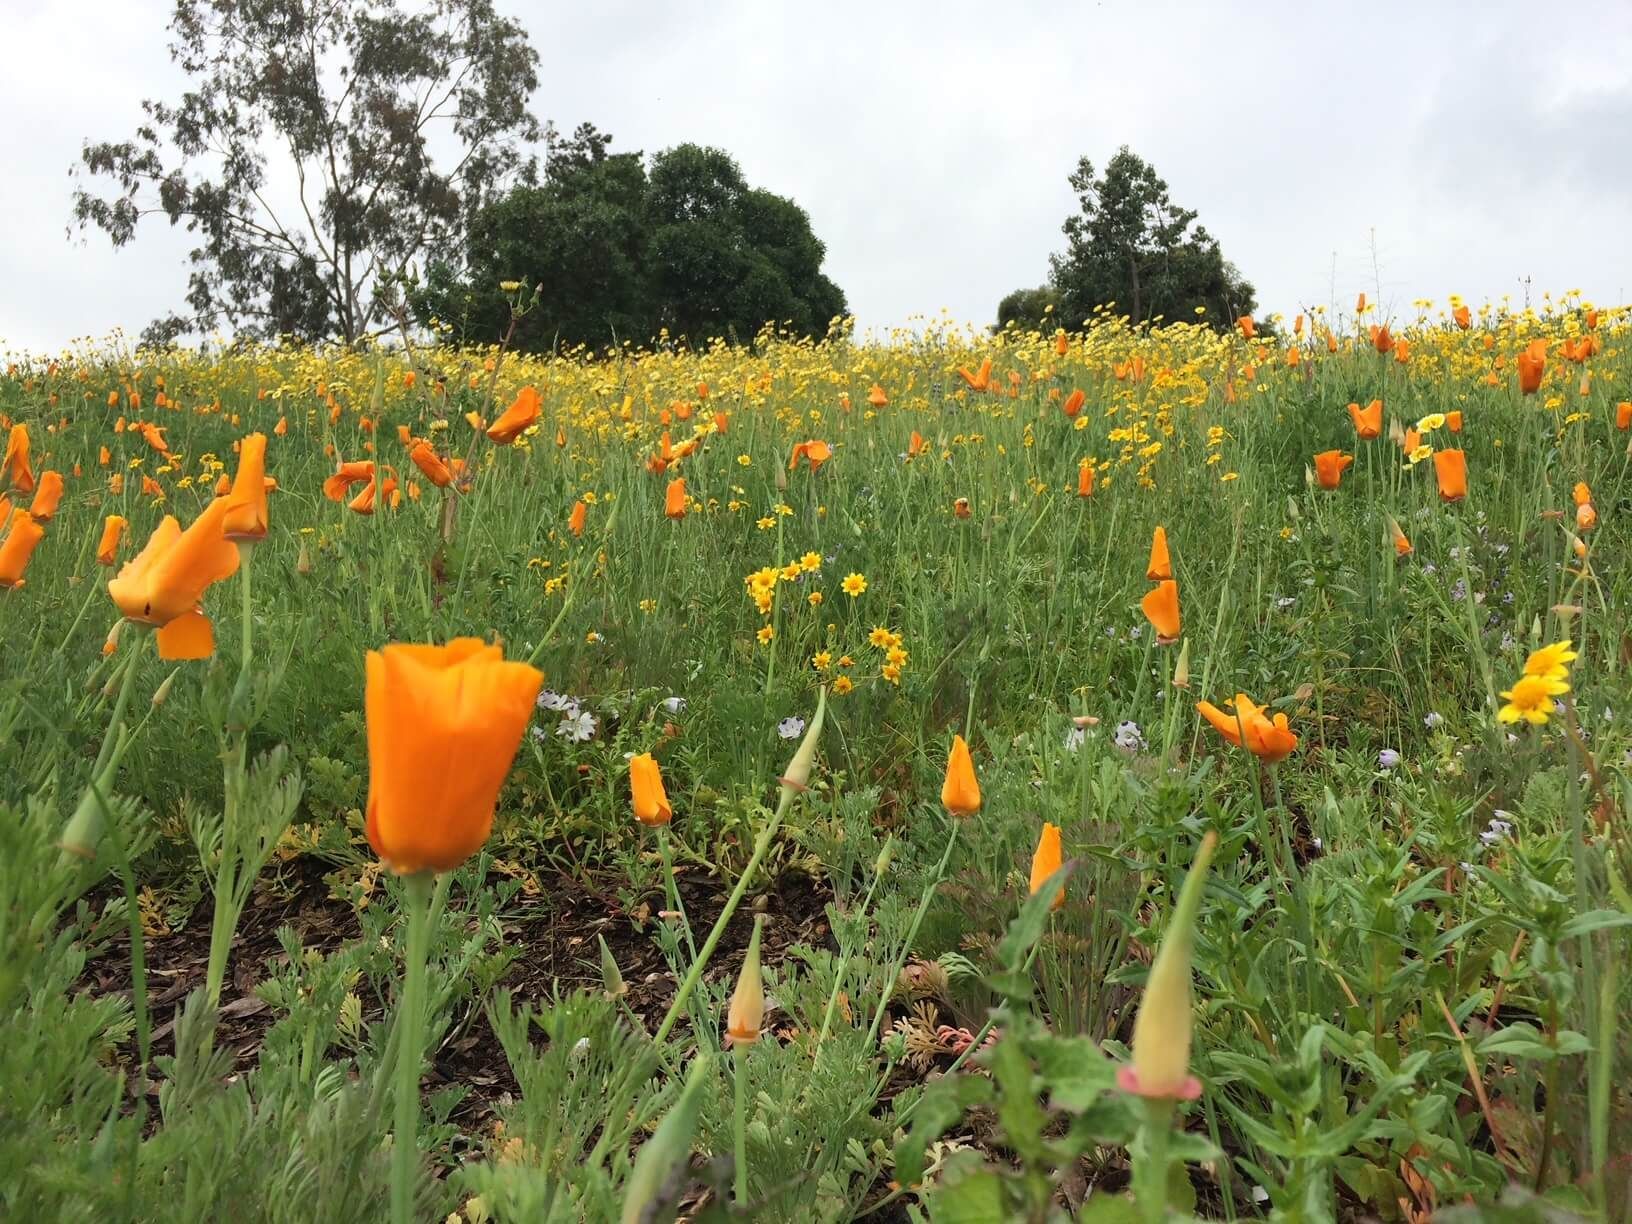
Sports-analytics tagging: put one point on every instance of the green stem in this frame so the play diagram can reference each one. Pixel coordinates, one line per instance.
(1150, 1168)
(739, 1074)
(671, 891)
(123, 700)
(411, 1026)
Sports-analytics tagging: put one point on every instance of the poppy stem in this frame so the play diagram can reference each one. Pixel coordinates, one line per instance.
(1150, 1161)
(416, 902)
(739, 1122)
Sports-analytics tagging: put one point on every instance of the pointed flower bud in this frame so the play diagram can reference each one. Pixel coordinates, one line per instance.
(747, 1011)
(797, 777)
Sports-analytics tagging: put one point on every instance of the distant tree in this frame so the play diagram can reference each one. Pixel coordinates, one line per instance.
(1132, 245)
(621, 251)
(1027, 308)
(301, 153)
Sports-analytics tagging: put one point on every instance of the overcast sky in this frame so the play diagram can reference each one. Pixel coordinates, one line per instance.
(931, 143)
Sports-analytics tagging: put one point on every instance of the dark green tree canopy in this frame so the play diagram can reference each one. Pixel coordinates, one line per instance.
(320, 148)
(621, 250)
(1133, 246)
(1028, 308)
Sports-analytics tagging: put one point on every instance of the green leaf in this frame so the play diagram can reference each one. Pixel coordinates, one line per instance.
(1028, 924)
(976, 1198)
(1595, 920)
(943, 1105)
(1108, 1209)
(1074, 1071)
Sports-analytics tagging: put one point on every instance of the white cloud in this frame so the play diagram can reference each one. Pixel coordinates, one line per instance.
(931, 144)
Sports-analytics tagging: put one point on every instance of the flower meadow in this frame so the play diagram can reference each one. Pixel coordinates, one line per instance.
(1108, 774)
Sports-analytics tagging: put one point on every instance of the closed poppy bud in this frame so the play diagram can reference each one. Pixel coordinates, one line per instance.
(611, 978)
(162, 693)
(960, 792)
(21, 539)
(1181, 669)
(674, 498)
(960, 507)
(1360, 304)
(797, 776)
(1330, 466)
(1162, 1029)
(303, 561)
(1623, 415)
(647, 796)
(1062, 343)
(1045, 861)
(523, 412)
(1463, 317)
(47, 496)
(1161, 565)
(1247, 328)
(444, 723)
(1402, 545)
(1368, 421)
(430, 463)
(246, 517)
(282, 427)
(1074, 402)
(1453, 420)
(1161, 608)
(1451, 467)
(1085, 479)
(575, 521)
(108, 547)
(1382, 340)
(15, 467)
(876, 396)
(746, 1014)
(1532, 365)
(104, 457)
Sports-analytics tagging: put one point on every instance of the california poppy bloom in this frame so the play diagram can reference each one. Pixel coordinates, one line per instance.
(1246, 327)
(815, 453)
(47, 496)
(1161, 608)
(1451, 467)
(15, 466)
(960, 792)
(246, 517)
(1062, 343)
(977, 381)
(1623, 415)
(1074, 401)
(385, 488)
(107, 548)
(1085, 479)
(1360, 304)
(22, 538)
(876, 396)
(1453, 420)
(674, 498)
(1532, 365)
(430, 463)
(1368, 421)
(1268, 739)
(576, 520)
(1161, 566)
(1045, 861)
(164, 583)
(916, 444)
(646, 794)
(1463, 317)
(960, 507)
(1381, 339)
(444, 723)
(338, 486)
(1586, 514)
(523, 411)
(1330, 466)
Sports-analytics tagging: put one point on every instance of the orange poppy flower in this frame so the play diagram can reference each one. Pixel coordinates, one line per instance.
(385, 488)
(1268, 739)
(815, 453)
(980, 380)
(1532, 365)
(15, 466)
(960, 792)
(1360, 304)
(164, 583)
(646, 794)
(1085, 479)
(47, 496)
(1381, 340)
(1451, 467)
(22, 538)
(151, 487)
(107, 548)
(444, 723)
(104, 456)
(523, 411)
(282, 427)
(1368, 421)
(916, 445)
(430, 463)
(876, 396)
(1402, 545)
(1623, 415)
(1402, 352)
(1045, 861)
(1330, 466)
(960, 507)
(720, 423)
(1453, 420)
(358, 471)
(1161, 608)
(576, 520)
(1074, 401)
(1592, 319)
(1463, 317)
(1246, 327)
(674, 498)
(1161, 565)
(246, 518)
(1062, 343)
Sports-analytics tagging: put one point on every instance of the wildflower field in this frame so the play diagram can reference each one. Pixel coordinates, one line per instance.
(1125, 774)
